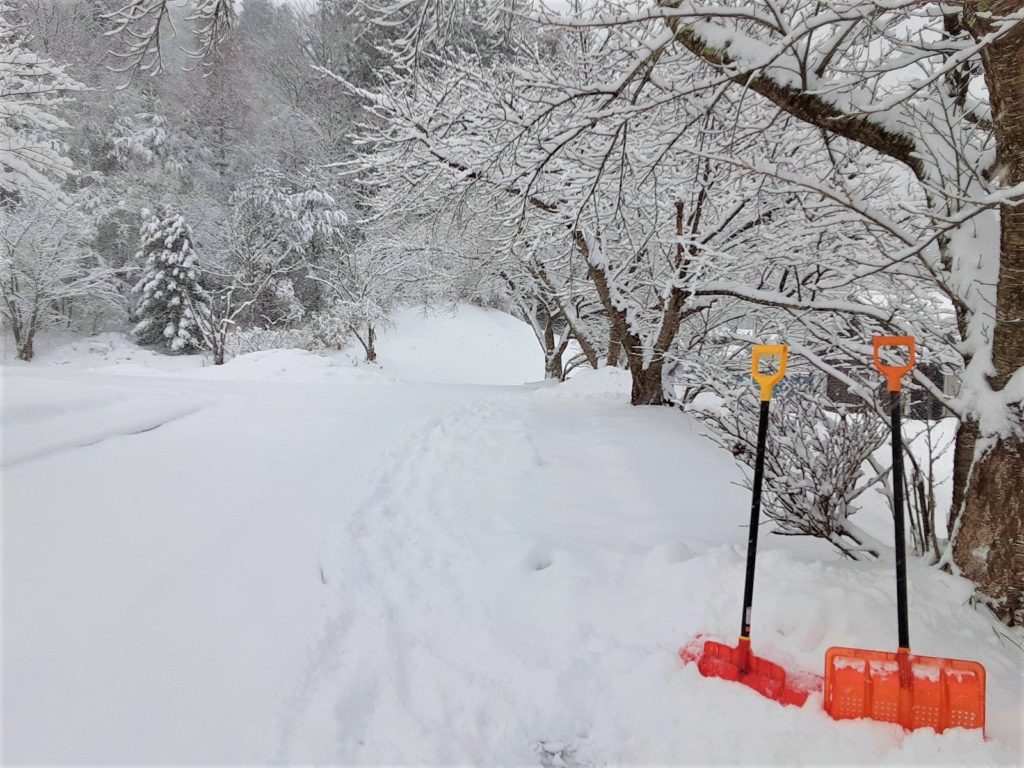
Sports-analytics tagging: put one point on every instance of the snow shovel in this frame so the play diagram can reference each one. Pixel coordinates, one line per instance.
(914, 691)
(738, 663)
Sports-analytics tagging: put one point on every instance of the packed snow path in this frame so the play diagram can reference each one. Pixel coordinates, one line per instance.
(290, 560)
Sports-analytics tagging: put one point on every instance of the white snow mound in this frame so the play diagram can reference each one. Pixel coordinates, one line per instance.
(295, 365)
(607, 383)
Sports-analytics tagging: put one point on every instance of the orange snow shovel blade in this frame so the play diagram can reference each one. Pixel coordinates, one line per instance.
(902, 687)
(737, 664)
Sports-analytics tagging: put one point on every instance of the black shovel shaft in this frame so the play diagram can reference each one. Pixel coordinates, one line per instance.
(755, 519)
(897, 508)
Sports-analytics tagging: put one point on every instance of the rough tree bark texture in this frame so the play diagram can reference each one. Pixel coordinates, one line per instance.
(25, 349)
(963, 459)
(24, 334)
(616, 318)
(990, 545)
(648, 386)
(616, 333)
(553, 368)
(371, 344)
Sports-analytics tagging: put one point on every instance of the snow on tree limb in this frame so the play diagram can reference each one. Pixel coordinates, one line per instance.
(141, 26)
(32, 90)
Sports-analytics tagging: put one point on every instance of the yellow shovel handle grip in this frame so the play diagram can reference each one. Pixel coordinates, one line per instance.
(768, 380)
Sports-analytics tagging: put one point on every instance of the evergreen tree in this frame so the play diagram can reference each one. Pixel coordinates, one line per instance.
(171, 294)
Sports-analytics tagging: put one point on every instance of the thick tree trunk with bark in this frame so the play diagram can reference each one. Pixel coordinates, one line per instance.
(25, 347)
(25, 334)
(616, 334)
(618, 328)
(647, 371)
(553, 367)
(963, 460)
(989, 546)
(585, 345)
(648, 385)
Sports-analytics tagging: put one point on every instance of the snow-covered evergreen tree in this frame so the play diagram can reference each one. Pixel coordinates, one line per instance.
(171, 295)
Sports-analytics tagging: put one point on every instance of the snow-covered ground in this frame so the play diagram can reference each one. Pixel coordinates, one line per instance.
(291, 559)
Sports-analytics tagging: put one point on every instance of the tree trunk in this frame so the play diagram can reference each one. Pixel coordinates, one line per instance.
(616, 335)
(16, 331)
(963, 458)
(553, 366)
(371, 349)
(567, 313)
(989, 546)
(25, 350)
(649, 379)
(616, 317)
(552, 352)
(586, 346)
(648, 384)
(648, 388)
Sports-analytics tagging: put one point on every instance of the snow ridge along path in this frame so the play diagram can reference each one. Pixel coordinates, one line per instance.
(325, 565)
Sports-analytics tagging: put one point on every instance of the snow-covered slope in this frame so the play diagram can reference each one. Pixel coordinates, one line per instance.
(470, 345)
(293, 560)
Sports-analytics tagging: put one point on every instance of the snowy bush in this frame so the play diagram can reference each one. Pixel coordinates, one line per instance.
(360, 318)
(814, 462)
(329, 329)
(261, 339)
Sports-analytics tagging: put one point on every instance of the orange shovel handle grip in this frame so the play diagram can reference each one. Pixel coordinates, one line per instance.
(768, 380)
(893, 373)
